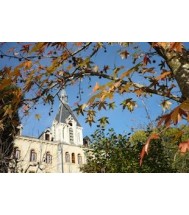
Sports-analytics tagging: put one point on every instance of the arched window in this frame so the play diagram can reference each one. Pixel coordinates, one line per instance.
(67, 157)
(71, 135)
(73, 158)
(48, 158)
(33, 155)
(16, 153)
(79, 158)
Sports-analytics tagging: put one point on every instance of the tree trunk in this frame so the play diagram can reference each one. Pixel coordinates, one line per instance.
(179, 66)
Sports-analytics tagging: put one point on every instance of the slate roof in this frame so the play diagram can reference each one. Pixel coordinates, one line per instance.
(64, 112)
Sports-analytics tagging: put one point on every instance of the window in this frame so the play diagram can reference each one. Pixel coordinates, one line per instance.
(16, 153)
(48, 158)
(79, 159)
(67, 157)
(33, 155)
(71, 135)
(47, 137)
(73, 158)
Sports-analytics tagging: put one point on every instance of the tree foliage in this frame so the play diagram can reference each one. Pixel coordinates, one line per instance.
(116, 153)
(43, 69)
(9, 125)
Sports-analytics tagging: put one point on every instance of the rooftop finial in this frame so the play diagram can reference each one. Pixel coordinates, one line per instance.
(63, 96)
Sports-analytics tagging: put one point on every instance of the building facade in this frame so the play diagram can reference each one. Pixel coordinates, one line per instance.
(59, 149)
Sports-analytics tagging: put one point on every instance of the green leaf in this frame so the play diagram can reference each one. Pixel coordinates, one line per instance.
(112, 105)
(103, 121)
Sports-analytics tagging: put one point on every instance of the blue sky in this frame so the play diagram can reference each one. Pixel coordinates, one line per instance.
(121, 120)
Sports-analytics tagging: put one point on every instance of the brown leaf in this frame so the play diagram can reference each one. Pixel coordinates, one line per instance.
(145, 148)
(25, 48)
(176, 114)
(124, 54)
(146, 60)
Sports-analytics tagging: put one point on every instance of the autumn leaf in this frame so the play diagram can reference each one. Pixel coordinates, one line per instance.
(27, 64)
(96, 87)
(5, 83)
(166, 105)
(146, 60)
(78, 43)
(95, 69)
(184, 146)
(25, 48)
(176, 46)
(129, 103)
(163, 44)
(163, 75)
(138, 92)
(38, 47)
(124, 54)
(176, 114)
(153, 136)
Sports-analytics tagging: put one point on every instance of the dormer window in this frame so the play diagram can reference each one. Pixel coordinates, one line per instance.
(47, 136)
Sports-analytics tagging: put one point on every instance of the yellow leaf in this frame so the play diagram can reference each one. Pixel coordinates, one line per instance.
(166, 105)
(163, 44)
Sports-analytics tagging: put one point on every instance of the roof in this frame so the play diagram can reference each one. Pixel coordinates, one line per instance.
(64, 112)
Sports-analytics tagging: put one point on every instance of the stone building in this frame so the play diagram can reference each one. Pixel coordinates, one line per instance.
(59, 149)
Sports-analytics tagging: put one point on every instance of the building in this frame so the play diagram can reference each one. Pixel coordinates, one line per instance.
(59, 149)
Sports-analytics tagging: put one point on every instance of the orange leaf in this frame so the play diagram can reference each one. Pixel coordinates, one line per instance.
(163, 75)
(184, 146)
(145, 148)
(163, 44)
(139, 92)
(79, 43)
(176, 46)
(96, 87)
(27, 64)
